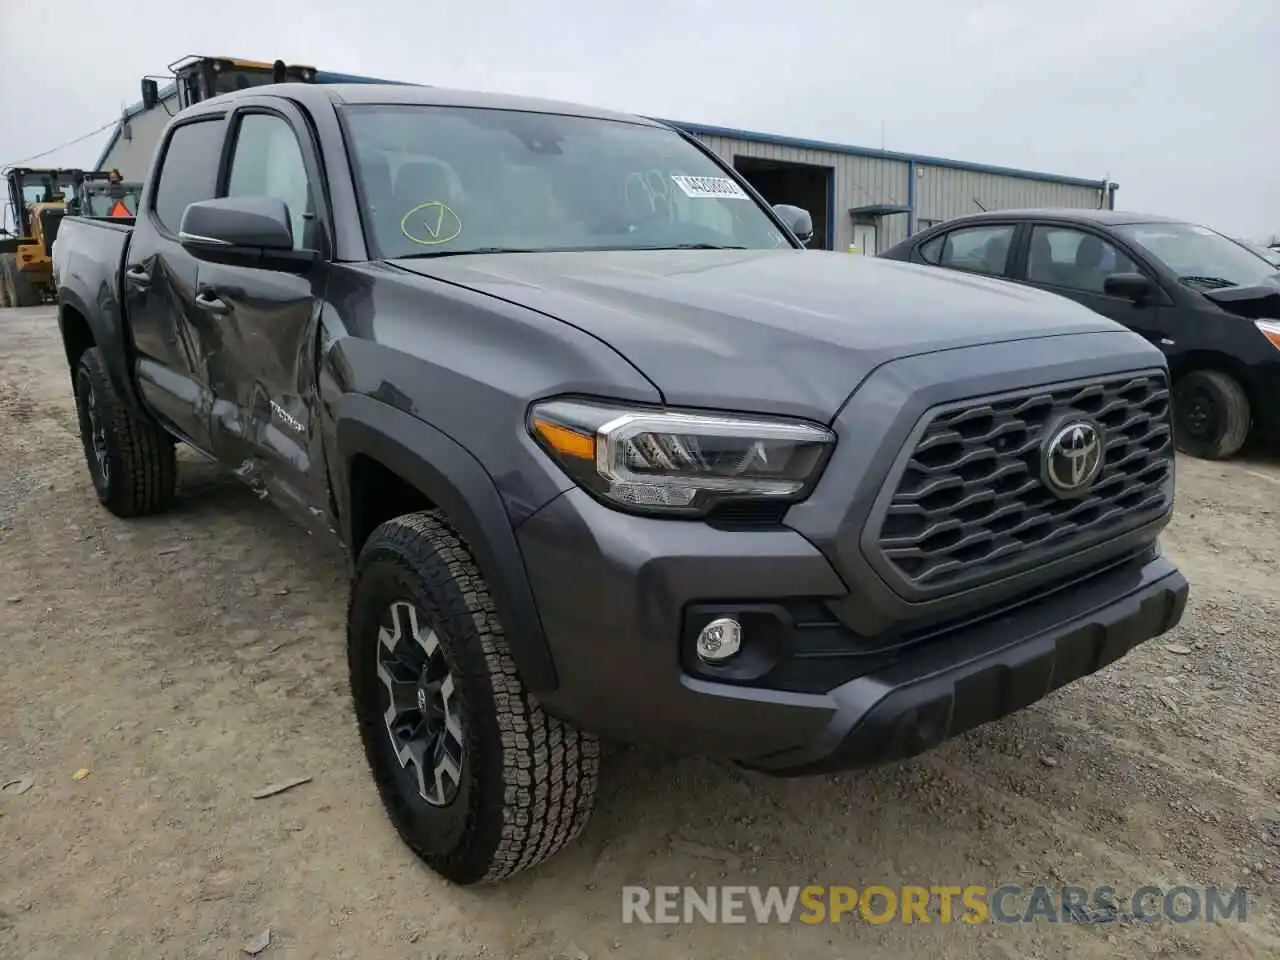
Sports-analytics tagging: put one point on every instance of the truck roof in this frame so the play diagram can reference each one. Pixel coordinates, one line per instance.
(311, 95)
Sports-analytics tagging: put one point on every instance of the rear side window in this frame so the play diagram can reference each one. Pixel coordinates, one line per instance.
(980, 249)
(189, 171)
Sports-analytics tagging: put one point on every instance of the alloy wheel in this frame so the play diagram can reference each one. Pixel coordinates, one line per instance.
(97, 432)
(422, 710)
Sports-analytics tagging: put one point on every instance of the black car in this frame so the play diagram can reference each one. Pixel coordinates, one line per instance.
(1210, 303)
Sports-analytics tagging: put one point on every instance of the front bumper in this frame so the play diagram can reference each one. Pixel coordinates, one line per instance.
(614, 592)
(988, 672)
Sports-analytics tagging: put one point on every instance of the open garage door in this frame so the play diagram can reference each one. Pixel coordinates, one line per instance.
(800, 184)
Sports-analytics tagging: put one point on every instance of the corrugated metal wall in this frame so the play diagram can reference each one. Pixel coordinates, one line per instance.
(943, 193)
(859, 180)
(131, 153)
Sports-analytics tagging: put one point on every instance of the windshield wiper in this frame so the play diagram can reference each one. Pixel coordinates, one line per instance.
(1208, 281)
(483, 250)
(693, 246)
(462, 253)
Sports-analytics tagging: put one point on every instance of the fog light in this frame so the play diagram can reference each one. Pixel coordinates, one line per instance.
(719, 640)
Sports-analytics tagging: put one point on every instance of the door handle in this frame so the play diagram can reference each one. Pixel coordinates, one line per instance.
(137, 276)
(210, 302)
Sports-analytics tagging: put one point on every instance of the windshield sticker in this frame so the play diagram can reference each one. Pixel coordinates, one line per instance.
(431, 223)
(717, 187)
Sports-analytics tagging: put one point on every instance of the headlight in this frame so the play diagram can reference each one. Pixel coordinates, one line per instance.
(1271, 330)
(679, 462)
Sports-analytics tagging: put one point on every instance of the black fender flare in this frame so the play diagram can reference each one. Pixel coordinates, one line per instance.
(108, 334)
(449, 476)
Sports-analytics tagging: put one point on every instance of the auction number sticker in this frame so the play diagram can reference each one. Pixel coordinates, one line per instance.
(719, 187)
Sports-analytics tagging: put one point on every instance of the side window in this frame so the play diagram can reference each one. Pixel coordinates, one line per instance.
(267, 162)
(980, 249)
(189, 171)
(1064, 257)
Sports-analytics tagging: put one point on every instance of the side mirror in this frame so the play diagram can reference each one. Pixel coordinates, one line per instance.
(242, 231)
(797, 220)
(1130, 286)
(150, 93)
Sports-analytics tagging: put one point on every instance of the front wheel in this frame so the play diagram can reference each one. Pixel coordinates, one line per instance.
(1211, 415)
(477, 779)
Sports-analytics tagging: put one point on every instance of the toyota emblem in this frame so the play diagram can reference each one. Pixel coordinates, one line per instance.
(1072, 458)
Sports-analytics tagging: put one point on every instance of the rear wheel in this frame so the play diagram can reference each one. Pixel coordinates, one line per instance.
(7, 297)
(131, 461)
(477, 779)
(1211, 414)
(23, 291)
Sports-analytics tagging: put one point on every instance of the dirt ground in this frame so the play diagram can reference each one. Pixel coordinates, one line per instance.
(188, 660)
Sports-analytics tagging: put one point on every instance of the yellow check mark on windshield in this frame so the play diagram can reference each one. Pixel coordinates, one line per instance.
(434, 232)
(431, 223)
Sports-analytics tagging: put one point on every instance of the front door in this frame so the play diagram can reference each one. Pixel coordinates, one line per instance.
(1075, 263)
(261, 327)
(864, 238)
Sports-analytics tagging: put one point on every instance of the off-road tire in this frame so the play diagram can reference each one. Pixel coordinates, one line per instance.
(528, 780)
(22, 291)
(1231, 417)
(141, 464)
(7, 295)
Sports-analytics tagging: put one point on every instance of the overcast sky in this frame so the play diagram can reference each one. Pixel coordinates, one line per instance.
(1175, 99)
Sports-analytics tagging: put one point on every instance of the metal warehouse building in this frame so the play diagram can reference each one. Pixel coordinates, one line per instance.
(859, 197)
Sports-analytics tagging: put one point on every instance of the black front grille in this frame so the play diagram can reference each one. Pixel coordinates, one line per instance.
(969, 505)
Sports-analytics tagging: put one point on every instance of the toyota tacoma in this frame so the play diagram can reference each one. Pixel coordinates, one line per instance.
(612, 454)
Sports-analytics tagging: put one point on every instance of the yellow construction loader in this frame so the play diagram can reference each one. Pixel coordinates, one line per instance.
(38, 200)
(36, 204)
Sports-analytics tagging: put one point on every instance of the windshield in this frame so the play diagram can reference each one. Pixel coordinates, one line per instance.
(1266, 253)
(42, 187)
(110, 202)
(1199, 255)
(443, 180)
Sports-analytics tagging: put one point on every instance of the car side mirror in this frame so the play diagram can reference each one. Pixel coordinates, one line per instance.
(242, 231)
(797, 220)
(1130, 286)
(150, 93)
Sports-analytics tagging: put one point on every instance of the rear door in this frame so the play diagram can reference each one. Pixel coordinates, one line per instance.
(1074, 261)
(160, 281)
(261, 326)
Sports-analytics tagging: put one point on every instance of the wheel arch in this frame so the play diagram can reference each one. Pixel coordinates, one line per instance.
(375, 439)
(82, 328)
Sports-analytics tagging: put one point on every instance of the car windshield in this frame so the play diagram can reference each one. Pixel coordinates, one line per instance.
(1266, 253)
(445, 180)
(1199, 255)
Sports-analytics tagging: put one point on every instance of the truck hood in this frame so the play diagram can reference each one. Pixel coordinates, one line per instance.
(779, 330)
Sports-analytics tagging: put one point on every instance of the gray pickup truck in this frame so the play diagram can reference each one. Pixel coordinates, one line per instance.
(614, 455)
